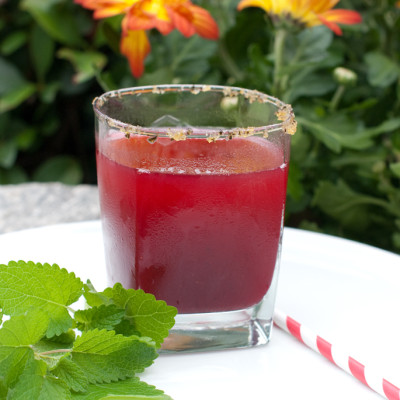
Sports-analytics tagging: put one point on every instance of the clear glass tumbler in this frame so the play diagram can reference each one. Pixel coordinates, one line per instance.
(192, 182)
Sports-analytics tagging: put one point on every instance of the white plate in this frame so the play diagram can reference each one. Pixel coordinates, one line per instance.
(346, 292)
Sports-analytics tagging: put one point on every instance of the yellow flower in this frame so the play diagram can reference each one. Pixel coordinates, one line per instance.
(306, 12)
(142, 15)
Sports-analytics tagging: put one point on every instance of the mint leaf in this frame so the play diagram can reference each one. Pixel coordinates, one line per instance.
(24, 285)
(130, 389)
(51, 352)
(93, 297)
(3, 388)
(103, 317)
(12, 363)
(151, 317)
(42, 359)
(34, 384)
(65, 338)
(107, 357)
(126, 328)
(96, 299)
(16, 336)
(71, 374)
(24, 330)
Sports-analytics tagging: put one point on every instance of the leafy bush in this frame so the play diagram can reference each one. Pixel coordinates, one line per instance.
(345, 164)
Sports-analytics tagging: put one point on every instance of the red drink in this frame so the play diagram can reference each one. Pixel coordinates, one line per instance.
(195, 223)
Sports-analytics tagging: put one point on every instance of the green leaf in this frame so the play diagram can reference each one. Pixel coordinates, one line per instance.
(34, 384)
(107, 357)
(93, 297)
(49, 92)
(16, 97)
(12, 362)
(294, 186)
(24, 285)
(65, 169)
(385, 127)
(341, 202)
(13, 175)
(14, 88)
(311, 84)
(8, 152)
(66, 338)
(338, 131)
(192, 59)
(51, 352)
(330, 138)
(13, 42)
(395, 168)
(112, 35)
(11, 78)
(42, 51)
(71, 374)
(103, 317)
(44, 5)
(26, 138)
(129, 389)
(381, 70)
(97, 299)
(157, 77)
(3, 388)
(313, 43)
(56, 19)
(359, 159)
(25, 329)
(86, 63)
(152, 318)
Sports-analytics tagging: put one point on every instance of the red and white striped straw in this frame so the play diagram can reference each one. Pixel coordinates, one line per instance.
(359, 371)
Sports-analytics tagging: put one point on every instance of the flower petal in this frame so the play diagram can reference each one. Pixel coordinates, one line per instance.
(105, 8)
(135, 46)
(182, 19)
(204, 23)
(331, 25)
(347, 17)
(320, 6)
(307, 12)
(266, 5)
(148, 14)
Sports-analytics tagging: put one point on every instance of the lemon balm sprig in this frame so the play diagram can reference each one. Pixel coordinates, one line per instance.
(50, 351)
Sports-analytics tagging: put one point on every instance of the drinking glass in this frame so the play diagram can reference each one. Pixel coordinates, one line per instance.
(192, 182)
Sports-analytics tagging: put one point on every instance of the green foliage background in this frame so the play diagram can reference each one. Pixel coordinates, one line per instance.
(345, 163)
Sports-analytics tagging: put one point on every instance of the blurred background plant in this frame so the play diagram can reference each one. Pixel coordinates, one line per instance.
(345, 163)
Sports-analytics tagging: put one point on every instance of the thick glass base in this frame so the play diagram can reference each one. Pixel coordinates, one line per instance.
(248, 327)
(216, 331)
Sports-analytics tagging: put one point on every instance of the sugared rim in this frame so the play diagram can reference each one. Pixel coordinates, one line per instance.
(284, 113)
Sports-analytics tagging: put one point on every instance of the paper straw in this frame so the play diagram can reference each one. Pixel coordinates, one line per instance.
(359, 371)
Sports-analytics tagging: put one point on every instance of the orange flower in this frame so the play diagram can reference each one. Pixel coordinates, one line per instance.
(307, 12)
(142, 15)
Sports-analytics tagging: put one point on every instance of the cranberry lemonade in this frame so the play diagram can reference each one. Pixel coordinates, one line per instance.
(197, 224)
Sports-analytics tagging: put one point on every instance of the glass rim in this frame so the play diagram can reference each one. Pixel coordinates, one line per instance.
(284, 113)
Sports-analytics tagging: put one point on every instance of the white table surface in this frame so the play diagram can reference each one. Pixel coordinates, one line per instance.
(346, 292)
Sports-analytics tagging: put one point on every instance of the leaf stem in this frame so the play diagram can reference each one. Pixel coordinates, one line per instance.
(45, 353)
(229, 64)
(336, 97)
(279, 45)
(181, 56)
